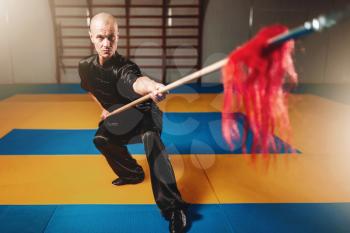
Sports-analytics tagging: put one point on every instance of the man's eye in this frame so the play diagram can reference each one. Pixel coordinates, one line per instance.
(111, 38)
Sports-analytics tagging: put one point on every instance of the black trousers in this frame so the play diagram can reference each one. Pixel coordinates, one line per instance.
(165, 191)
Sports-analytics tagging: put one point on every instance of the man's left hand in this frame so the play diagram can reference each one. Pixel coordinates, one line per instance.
(157, 96)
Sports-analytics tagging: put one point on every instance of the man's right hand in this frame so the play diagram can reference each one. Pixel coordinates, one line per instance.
(104, 114)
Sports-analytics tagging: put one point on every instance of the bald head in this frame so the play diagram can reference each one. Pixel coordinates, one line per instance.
(104, 35)
(103, 19)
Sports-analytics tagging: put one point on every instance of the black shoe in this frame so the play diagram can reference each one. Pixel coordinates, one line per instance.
(177, 221)
(123, 180)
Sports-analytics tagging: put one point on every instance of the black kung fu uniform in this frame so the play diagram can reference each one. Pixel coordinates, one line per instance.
(111, 84)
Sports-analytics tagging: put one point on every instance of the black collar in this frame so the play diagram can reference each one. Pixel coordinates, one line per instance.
(108, 64)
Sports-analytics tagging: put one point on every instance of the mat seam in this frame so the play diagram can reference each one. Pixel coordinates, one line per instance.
(51, 217)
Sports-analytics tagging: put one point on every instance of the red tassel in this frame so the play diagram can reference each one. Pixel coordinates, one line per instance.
(254, 76)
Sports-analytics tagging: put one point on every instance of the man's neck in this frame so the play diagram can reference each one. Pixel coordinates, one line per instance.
(105, 61)
(102, 60)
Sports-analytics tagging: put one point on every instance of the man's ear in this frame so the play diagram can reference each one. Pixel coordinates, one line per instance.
(91, 38)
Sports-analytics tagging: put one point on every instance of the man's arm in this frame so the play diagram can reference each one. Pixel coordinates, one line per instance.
(144, 85)
(104, 111)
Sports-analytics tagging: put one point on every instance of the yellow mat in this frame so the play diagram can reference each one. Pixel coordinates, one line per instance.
(201, 179)
(87, 179)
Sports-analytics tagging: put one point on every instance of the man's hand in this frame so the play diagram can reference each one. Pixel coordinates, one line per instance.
(156, 96)
(104, 114)
(144, 85)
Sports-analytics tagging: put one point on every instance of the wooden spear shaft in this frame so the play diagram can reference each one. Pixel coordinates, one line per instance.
(182, 81)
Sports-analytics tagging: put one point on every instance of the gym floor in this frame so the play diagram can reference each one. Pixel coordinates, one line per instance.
(53, 180)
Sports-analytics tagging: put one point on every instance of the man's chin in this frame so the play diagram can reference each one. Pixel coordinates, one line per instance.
(106, 55)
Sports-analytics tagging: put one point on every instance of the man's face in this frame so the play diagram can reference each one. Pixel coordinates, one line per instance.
(104, 37)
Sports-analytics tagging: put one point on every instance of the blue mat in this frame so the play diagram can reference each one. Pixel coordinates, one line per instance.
(184, 133)
(222, 218)
(25, 219)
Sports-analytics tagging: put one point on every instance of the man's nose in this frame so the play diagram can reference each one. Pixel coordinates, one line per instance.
(106, 42)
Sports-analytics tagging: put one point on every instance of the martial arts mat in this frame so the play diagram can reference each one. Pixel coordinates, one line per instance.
(67, 188)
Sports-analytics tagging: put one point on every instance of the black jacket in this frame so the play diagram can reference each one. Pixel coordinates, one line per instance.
(112, 83)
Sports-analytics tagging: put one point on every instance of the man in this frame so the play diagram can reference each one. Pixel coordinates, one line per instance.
(111, 79)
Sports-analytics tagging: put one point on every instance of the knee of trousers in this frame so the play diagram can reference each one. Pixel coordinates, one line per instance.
(149, 136)
(152, 142)
(109, 148)
(100, 142)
